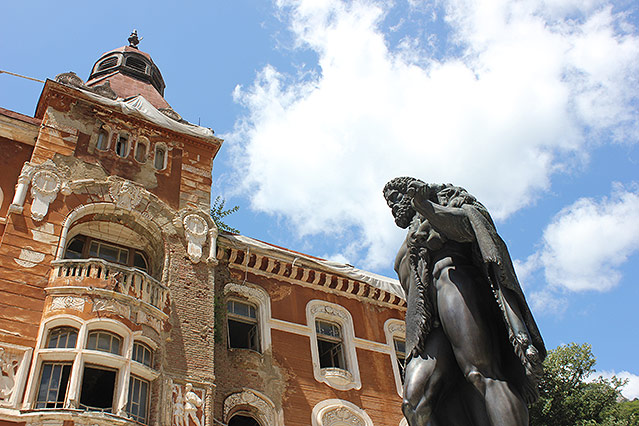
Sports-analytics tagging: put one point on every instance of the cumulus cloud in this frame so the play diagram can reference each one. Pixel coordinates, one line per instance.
(631, 389)
(587, 242)
(512, 104)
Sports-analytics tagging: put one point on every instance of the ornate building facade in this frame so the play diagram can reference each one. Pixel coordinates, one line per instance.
(122, 304)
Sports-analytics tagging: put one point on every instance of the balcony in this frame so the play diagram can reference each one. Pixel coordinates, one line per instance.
(98, 273)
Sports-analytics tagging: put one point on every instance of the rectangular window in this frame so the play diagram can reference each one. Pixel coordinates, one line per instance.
(242, 326)
(400, 354)
(330, 345)
(54, 381)
(138, 404)
(98, 386)
(108, 252)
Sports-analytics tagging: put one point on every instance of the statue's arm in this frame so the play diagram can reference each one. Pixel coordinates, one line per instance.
(452, 222)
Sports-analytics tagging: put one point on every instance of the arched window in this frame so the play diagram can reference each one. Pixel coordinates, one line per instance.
(122, 145)
(143, 354)
(243, 329)
(103, 139)
(62, 337)
(333, 345)
(159, 160)
(395, 331)
(100, 340)
(88, 376)
(84, 247)
(141, 149)
(248, 316)
(330, 345)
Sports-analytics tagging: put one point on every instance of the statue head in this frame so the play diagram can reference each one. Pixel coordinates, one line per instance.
(396, 195)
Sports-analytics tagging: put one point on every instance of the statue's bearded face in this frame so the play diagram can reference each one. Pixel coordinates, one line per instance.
(399, 202)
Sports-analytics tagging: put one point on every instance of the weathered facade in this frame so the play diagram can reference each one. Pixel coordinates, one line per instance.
(121, 303)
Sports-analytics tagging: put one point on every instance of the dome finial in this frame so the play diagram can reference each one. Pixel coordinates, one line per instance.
(134, 40)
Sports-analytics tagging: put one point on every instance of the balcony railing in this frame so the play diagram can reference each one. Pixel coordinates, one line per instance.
(110, 276)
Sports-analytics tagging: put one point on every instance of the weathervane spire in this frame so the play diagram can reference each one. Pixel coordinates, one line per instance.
(134, 40)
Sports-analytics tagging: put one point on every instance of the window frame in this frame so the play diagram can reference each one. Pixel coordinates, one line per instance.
(164, 147)
(395, 329)
(337, 378)
(254, 322)
(127, 138)
(131, 252)
(145, 142)
(107, 132)
(80, 357)
(259, 298)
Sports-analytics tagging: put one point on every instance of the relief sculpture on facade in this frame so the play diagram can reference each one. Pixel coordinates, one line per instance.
(188, 405)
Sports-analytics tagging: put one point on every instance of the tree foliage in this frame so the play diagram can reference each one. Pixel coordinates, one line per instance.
(569, 398)
(218, 214)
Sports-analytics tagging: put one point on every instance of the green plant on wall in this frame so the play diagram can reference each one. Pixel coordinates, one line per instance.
(218, 214)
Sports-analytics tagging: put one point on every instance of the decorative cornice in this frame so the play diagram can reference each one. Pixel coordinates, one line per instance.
(297, 273)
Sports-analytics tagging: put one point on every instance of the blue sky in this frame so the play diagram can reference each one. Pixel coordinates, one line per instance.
(531, 105)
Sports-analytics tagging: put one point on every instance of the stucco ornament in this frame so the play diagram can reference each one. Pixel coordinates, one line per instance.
(340, 416)
(9, 364)
(196, 230)
(44, 189)
(68, 302)
(14, 363)
(125, 194)
(265, 409)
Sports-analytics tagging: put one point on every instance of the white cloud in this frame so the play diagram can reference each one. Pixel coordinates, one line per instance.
(499, 119)
(631, 390)
(587, 242)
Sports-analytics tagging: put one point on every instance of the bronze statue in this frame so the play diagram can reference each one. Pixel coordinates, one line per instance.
(474, 352)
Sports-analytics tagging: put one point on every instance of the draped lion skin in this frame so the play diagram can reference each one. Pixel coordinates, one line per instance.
(474, 352)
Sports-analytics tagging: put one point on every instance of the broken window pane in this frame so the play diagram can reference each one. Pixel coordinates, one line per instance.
(98, 385)
(242, 326)
(329, 345)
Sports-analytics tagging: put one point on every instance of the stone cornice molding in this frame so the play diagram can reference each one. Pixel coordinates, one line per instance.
(296, 272)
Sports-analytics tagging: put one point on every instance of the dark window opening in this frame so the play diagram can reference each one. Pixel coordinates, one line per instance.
(138, 404)
(62, 337)
(108, 63)
(136, 63)
(98, 385)
(82, 247)
(75, 249)
(139, 261)
(400, 354)
(104, 341)
(329, 345)
(242, 420)
(122, 146)
(54, 381)
(242, 326)
(103, 140)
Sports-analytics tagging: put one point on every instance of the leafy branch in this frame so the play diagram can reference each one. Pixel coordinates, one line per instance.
(218, 214)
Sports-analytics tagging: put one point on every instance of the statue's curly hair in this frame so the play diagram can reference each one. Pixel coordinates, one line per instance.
(399, 184)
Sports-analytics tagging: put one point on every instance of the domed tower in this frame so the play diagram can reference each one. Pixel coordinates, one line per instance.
(111, 213)
(130, 72)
